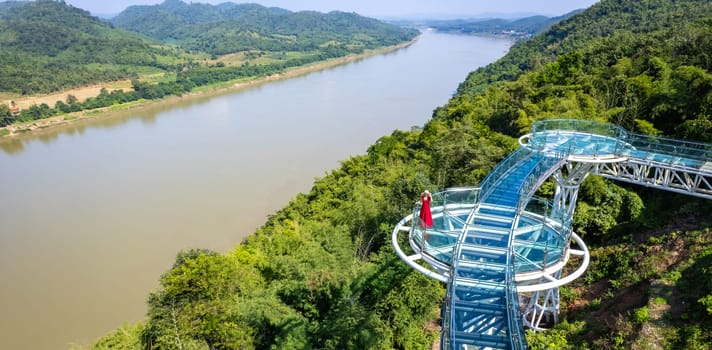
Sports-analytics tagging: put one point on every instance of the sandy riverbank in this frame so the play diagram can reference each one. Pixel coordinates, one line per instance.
(36, 126)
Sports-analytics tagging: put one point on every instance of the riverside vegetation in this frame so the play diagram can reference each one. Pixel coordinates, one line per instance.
(166, 49)
(321, 273)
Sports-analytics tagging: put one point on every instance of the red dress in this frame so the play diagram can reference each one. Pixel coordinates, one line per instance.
(426, 217)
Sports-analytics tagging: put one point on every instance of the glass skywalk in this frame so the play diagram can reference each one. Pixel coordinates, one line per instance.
(498, 245)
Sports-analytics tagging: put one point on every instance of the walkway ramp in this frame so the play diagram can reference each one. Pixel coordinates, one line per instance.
(478, 307)
(498, 240)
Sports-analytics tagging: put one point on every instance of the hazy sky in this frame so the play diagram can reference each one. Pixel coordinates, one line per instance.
(376, 8)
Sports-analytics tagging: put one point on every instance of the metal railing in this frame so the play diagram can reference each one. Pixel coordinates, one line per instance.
(615, 140)
(546, 236)
(537, 176)
(580, 125)
(491, 180)
(449, 209)
(647, 146)
(514, 318)
(541, 231)
(578, 137)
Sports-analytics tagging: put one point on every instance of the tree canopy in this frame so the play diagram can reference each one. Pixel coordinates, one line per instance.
(48, 45)
(321, 272)
(231, 27)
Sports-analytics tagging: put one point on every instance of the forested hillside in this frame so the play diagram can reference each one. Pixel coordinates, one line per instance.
(322, 274)
(47, 46)
(642, 65)
(230, 27)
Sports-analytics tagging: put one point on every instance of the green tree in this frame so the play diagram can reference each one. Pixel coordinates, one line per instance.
(196, 306)
(6, 117)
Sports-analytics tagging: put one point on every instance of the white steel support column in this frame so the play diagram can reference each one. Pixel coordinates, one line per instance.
(543, 306)
(568, 179)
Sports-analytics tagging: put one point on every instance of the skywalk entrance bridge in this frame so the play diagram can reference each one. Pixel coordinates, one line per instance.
(498, 245)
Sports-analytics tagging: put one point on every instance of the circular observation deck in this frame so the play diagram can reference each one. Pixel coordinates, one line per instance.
(540, 239)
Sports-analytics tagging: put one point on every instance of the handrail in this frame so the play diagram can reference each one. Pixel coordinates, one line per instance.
(581, 125)
(547, 209)
(445, 205)
(514, 320)
(489, 182)
(663, 145)
(539, 231)
(537, 176)
(626, 140)
(580, 131)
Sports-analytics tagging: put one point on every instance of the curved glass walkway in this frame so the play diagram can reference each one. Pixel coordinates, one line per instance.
(501, 250)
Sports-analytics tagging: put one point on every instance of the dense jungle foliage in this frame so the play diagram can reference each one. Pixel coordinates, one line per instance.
(321, 272)
(231, 27)
(48, 45)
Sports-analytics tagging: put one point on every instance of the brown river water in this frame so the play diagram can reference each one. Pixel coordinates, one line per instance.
(91, 214)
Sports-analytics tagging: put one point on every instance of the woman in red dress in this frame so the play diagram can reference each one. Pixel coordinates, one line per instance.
(426, 217)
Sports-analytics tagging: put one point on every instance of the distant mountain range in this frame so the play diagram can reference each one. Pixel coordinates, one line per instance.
(48, 45)
(229, 27)
(516, 27)
(420, 17)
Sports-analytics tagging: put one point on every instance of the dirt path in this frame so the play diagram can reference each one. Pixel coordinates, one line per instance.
(81, 93)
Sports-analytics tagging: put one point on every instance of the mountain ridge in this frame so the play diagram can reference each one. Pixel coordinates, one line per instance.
(228, 27)
(49, 45)
(519, 27)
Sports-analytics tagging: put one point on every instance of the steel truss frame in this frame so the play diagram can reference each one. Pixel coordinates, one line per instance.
(542, 306)
(690, 181)
(568, 179)
(539, 288)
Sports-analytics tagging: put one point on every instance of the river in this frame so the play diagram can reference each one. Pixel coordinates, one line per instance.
(91, 214)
